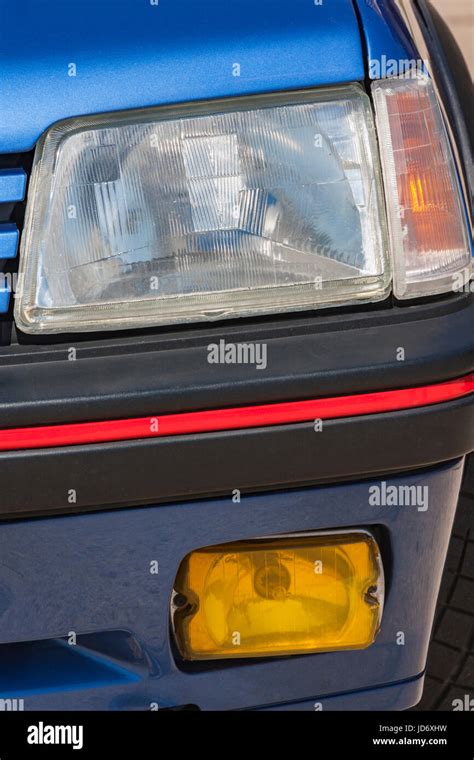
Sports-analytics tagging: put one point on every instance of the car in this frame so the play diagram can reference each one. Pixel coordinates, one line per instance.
(236, 356)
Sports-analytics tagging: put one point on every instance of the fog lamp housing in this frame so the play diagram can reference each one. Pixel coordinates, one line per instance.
(279, 596)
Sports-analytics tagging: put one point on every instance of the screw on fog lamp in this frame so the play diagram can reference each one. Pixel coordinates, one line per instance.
(279, 596)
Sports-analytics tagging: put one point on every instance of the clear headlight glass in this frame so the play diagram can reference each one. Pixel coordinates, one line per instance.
(203, 212)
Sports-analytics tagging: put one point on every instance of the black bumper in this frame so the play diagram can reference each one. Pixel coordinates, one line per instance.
(167, 371)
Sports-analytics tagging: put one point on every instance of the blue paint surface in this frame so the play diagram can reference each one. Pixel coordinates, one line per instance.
(91, 573)
(8, 240)
(55, 666)
(396, 696)
(386, 38)
(130, 54)
(4, 294)
(12, 185)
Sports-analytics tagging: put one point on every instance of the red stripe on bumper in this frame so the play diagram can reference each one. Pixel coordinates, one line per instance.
(234, 418)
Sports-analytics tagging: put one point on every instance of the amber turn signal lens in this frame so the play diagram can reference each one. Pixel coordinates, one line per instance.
(431, 249)
(281, 596)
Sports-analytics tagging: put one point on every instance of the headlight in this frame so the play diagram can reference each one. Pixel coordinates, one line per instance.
(241, 207)
(226, 209)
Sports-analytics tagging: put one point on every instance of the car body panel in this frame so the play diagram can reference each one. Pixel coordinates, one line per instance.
(91, 573)
(385, 36)
(133, 55)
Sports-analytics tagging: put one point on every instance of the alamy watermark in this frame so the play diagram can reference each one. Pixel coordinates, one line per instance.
(238, 353)
(384, 67)
(386, 495)
(12, 705)
(41, 733)
(462, 282)
(466, 704)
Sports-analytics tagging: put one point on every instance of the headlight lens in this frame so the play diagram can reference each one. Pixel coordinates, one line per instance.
(243, 207)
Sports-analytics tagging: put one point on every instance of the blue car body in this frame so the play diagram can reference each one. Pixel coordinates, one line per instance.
(130, 55)
(90, 574)
(87, 573)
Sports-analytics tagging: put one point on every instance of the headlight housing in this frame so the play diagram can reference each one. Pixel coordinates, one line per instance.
(241, 207)
(203, 212)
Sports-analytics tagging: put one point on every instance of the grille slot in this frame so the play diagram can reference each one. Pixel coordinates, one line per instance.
(14, 171)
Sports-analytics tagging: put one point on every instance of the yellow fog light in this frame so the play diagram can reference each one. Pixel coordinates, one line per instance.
(310, 593)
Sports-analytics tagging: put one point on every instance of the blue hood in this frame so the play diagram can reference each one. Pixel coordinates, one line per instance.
(134, 53)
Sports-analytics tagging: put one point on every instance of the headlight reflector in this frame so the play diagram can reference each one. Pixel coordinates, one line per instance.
(248, 206)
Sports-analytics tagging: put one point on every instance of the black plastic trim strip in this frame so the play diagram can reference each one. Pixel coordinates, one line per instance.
(307, 357)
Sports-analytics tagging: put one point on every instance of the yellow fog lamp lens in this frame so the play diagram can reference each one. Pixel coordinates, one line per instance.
(291, 595)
